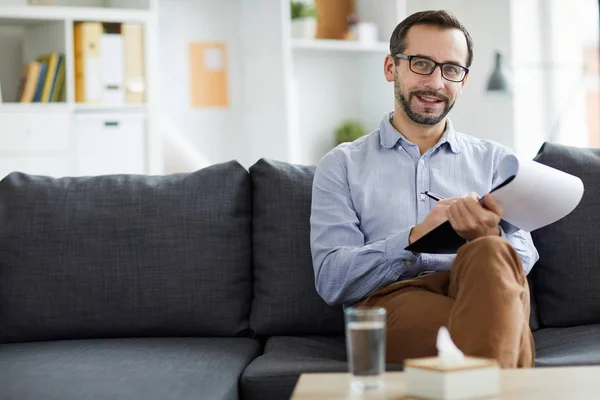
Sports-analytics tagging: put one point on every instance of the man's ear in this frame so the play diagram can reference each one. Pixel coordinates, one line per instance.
(388, 68)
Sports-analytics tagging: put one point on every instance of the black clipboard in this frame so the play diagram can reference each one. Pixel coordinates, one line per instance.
(441, 240)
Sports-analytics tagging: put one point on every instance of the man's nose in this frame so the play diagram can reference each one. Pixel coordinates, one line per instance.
(435, 79)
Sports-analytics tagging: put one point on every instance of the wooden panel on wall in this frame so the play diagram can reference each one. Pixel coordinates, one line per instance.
(208, 74)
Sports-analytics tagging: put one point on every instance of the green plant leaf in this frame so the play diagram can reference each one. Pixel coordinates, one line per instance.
(302, 10)
(349, 130)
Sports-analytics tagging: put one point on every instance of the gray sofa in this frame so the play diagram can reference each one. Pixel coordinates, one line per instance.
(200, 285)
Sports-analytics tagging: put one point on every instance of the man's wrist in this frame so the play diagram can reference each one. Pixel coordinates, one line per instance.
(495, 231)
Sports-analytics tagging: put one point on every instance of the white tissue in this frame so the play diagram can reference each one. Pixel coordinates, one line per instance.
(448, 353)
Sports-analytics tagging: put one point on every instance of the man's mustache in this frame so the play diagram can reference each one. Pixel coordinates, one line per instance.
(429, 93)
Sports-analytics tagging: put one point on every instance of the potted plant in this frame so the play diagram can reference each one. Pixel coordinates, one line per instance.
(349, 130)
(304, 20)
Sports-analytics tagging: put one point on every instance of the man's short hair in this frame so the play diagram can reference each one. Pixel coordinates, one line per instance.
(439, 18)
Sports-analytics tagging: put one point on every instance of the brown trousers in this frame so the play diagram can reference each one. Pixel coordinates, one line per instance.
(483, 300)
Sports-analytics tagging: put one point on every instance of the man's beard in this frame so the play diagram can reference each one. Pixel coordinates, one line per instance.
(415, 116)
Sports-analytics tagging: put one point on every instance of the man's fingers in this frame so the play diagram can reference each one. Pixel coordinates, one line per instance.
(451, 215)
(465, 213)
(492, 205)
(447, 201)
(472, 203)
(473, 195)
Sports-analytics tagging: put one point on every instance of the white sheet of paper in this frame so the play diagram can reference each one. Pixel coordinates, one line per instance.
(213, 59)
(538, 195)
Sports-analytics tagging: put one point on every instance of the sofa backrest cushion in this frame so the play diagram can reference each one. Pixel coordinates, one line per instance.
(567, 276)
(285, 300)
(125, 255)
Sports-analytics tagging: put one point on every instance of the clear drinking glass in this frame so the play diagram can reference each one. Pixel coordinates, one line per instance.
(365, 345)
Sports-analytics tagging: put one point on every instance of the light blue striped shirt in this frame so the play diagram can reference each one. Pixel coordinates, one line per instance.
(367, 196)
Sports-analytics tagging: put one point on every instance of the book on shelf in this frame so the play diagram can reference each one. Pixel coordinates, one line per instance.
(40, 82)
(54, 76)
(59, 81)
(43, 80)
(133, 35)
(88, 78)
(29, 82)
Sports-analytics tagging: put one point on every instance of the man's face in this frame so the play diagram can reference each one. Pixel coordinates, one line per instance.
(427, 99)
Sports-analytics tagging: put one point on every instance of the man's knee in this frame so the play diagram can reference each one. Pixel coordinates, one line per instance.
(490, 255)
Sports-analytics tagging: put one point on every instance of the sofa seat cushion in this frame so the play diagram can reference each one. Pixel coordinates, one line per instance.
(579, 345)
(274, 374)
(158, 368)
(126, 255)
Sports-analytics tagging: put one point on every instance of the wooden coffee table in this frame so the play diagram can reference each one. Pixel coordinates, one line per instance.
(569, 383)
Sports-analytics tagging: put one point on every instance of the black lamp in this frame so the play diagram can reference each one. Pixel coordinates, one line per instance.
(499, 82)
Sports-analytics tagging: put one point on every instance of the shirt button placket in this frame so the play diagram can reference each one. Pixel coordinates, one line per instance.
(422, 185)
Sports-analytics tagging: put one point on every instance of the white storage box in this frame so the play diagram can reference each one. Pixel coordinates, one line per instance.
(110, 143)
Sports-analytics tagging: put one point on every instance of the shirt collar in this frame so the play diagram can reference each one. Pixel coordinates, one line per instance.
(389, 136)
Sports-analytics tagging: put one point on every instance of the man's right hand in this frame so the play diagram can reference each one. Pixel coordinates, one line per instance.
(435, 218)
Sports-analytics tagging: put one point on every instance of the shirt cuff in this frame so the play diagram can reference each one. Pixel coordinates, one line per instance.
(395, 245)
(507, 227)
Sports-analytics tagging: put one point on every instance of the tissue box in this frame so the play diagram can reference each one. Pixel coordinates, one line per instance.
(474, 378)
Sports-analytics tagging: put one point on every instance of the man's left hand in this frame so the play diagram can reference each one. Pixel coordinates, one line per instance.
(472, 220)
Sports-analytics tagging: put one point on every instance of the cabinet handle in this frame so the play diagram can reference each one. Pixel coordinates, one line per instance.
(111, 123)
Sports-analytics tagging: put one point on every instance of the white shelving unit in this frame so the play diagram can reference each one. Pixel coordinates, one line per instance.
(41, 138)
(298, 91)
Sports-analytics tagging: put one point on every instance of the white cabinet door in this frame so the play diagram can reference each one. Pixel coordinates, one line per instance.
(26, 132)
(110, 144)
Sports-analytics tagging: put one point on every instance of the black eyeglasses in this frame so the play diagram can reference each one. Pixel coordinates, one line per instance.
(425, 66)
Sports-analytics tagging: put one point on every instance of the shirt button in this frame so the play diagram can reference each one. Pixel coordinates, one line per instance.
(400, 148)
(422, 197)
(422, 161)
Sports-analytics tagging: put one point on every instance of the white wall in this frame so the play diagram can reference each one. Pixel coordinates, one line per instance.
(568, 111)
(217, 132)
(531, 83)
(332, 87)
(266, 70)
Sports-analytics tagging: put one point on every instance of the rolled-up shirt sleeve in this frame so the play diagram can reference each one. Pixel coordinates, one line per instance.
(346, 268)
